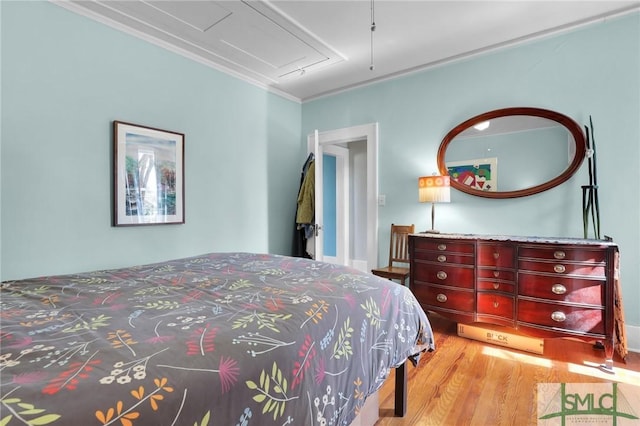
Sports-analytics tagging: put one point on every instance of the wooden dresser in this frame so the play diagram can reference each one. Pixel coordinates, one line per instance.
(542, 287)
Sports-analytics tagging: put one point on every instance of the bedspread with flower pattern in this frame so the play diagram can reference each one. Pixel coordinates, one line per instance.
(218, 339)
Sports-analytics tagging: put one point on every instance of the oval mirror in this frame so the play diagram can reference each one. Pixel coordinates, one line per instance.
(512, 152)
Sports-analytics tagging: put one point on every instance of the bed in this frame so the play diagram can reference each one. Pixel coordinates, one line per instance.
(217, 339)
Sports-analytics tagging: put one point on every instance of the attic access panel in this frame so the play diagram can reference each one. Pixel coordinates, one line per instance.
(252, 37)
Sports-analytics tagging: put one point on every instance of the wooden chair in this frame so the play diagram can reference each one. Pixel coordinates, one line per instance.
(398, 253)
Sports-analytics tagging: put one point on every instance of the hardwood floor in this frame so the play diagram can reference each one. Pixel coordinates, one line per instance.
(466, 382)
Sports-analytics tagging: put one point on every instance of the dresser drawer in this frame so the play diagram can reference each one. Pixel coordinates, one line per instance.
(444, 257)
(495, 304)
(559, 268)
(505, 287)
(444, 274)
(497, 255)
(569, 318)
(446, 298)
(496, 280)
(451, 246)
(496, 274)
(589, 292)
(561, 253)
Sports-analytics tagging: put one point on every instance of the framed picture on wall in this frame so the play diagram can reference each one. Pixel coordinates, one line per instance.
(480, 174)
(148, 175)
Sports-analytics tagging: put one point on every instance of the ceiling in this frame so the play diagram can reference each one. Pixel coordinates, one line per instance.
(310, 48)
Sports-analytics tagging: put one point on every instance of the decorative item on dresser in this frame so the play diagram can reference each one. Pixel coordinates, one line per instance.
(434, 189)
(543, 287)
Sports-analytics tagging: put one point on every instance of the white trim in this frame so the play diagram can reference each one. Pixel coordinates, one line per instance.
(318, 190)
(633, 338)
(478, 52)
(369, 134)
(66, 4)
(331, 259)
(360, 265)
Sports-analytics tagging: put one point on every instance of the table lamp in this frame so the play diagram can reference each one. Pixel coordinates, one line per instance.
(434, 189)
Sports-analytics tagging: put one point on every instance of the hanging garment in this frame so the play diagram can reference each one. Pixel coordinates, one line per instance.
(301, 230)
(306, 198)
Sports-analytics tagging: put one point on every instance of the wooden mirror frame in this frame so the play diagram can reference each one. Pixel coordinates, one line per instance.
(573, 127)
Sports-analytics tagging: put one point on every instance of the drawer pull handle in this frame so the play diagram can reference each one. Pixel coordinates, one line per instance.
(558, 316)
(559, 268)
(442, 275)
(496, 286)
(441, 297)
(558, 289)
(442, 247)
(496, 274)
(442, 258)
(496, 255)
(559, 254)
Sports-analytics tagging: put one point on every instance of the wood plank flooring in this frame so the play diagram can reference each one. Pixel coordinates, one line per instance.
(465, 382)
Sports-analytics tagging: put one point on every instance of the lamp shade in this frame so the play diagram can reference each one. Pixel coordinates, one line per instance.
(434, 189)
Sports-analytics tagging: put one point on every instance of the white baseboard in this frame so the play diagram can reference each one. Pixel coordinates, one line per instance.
(360, 265)
(633, 338)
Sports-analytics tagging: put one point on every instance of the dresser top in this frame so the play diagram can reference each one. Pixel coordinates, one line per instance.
(517, 239)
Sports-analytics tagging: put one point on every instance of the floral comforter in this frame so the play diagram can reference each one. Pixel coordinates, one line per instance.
(218, 339)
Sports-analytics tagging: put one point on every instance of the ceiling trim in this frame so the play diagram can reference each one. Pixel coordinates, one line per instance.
(66, 4)
(479, 52)
(270, 11)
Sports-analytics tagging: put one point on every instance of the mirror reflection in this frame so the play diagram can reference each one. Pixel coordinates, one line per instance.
(524, 151)
(512, 152)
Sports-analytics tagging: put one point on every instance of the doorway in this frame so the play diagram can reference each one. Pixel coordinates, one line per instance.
(336, 205)
(360, 210)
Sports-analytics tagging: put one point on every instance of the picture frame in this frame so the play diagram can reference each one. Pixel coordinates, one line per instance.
(480, 174)
(148, 175)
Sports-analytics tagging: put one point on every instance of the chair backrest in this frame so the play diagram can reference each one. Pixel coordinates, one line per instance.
(399, 243)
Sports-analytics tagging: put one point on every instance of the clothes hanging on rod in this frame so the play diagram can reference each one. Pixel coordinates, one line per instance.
(306, 201)
(305, 209)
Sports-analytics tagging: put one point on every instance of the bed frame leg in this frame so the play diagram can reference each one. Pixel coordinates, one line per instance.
(401, 391)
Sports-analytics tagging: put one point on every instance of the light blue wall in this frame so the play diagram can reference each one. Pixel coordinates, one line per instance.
(593, 71)
(65, 78)
(329, 204)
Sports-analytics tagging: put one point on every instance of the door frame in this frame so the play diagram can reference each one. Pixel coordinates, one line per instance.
(368, 133)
